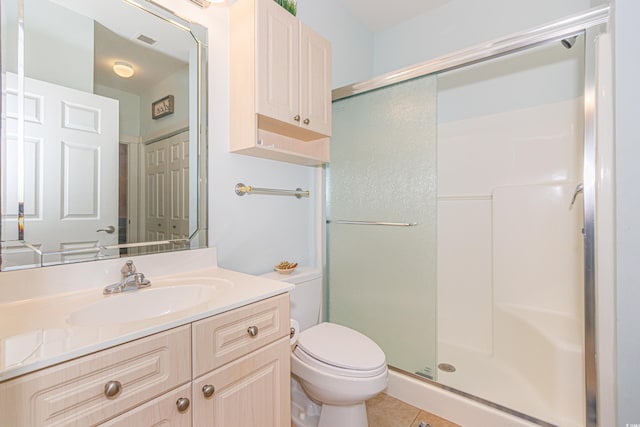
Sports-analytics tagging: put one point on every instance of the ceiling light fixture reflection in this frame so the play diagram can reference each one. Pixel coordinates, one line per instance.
(123, 69)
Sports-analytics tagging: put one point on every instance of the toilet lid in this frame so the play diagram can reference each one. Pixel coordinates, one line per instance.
(342, 347)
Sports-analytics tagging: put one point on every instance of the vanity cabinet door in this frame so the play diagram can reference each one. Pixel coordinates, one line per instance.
(251, 391)
(97, 387)
(230, 335)
(162, 411)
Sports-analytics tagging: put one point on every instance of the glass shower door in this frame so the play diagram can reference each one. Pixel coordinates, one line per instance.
(382, 221)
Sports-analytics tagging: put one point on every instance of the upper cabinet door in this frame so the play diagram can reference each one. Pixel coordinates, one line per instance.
(315, 81)
(280, 85)
(278, 60)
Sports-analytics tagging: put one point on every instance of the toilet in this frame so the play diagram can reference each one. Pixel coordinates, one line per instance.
(334, 368)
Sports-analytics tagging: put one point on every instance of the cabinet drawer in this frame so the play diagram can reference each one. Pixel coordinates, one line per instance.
(225, 337)
(162, 411)
(74, 393)
(251, 391)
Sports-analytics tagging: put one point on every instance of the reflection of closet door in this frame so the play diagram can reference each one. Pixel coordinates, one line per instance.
(155, 190)
(178, 165)
(167, 188)
(71, 168)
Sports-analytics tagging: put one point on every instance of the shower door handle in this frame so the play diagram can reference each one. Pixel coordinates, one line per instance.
(389, 224)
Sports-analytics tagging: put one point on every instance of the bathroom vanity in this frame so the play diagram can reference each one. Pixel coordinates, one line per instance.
(221, 360)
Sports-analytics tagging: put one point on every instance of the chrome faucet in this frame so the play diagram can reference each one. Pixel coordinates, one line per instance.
(131, 280)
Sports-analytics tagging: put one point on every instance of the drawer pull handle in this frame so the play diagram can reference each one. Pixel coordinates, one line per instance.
(208, 390)
(182, 404)
(253, 330)
(112, 388)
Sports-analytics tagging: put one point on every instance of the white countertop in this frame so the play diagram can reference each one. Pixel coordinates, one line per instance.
(37, 332)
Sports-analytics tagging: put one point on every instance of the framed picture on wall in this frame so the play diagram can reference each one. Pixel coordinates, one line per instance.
(162, 107)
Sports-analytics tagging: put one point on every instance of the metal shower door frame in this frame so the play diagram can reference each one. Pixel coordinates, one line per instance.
(592, 22)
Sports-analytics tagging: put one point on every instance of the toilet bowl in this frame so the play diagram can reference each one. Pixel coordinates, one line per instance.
(339, 368)
(336, 367)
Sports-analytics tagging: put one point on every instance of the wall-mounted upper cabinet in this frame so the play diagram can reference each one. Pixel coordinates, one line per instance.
(280, 103)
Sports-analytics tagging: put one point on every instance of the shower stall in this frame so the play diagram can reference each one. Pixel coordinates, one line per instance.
(460, 229)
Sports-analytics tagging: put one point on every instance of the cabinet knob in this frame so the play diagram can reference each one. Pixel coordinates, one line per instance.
(182, 404)
(306, 121)
(208, 390)
(297, 117)
(253, 330)
(112, 388)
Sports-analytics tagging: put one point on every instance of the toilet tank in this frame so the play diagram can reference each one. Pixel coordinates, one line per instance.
(306, 297)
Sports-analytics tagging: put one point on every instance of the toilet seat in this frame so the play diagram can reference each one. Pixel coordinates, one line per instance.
(341, 351)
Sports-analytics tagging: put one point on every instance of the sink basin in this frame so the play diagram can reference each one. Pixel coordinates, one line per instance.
(148, 303)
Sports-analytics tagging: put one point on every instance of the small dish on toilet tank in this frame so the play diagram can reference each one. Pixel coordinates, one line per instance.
(285, 267)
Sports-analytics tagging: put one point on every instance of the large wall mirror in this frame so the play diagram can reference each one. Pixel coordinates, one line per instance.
(103, 131)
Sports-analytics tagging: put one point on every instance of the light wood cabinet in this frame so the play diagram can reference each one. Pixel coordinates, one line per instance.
(97, 387)
(251, 391)
(315, 81)
(228, 336)
(162, 411)
(241, 361)
(280, 103)
(243, 354)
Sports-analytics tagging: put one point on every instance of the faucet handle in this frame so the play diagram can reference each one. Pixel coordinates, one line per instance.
(128, 269)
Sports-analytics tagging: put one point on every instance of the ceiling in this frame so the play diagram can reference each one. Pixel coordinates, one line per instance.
(378, 15)
(116, 39)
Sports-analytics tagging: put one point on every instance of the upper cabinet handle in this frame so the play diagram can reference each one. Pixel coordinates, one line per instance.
(306, 121)
(297, 117)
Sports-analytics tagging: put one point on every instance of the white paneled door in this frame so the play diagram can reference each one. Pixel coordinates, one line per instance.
(70, 169)
(167, 188)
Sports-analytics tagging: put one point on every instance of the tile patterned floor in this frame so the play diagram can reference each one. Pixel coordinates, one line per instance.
(386, 411)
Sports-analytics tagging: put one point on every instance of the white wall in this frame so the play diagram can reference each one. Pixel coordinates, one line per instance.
(251, 233)
(53, 53)
(351, 41)
(250, 240)
(128, 112)
(60, 54)
(627, 129)
(176, 84)
(459, 24)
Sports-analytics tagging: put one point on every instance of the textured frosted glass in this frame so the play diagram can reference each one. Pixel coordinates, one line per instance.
(382, 279)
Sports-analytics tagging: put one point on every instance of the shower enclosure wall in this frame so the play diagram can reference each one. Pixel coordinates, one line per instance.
(457, 227)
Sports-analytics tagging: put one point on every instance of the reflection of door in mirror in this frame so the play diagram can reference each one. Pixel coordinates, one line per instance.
(71, 141)
(167, 188)
(73, 45)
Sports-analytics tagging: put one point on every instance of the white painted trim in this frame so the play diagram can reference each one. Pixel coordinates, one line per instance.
(605, 236)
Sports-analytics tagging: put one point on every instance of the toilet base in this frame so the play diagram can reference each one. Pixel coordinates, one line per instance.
(343, 416)
(304, 411)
